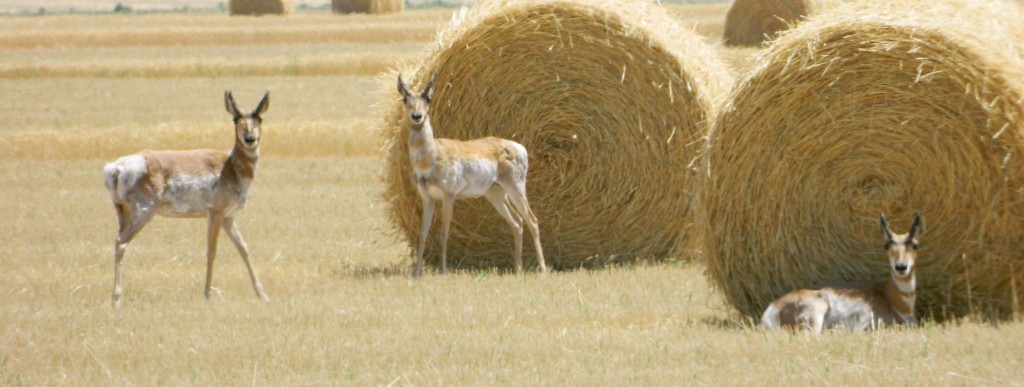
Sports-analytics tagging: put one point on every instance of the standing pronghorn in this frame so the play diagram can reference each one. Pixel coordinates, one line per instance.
(188, 184)
(445, 170)
(857, 307)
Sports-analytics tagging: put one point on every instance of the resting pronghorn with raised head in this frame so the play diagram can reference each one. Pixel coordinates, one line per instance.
(188, 184)
(857, 307)
(445, 170)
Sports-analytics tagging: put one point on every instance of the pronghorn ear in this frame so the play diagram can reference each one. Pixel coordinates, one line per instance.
(404, 91)
(229, 104)
(428, 92)
(916, 228)
(886, 232)
(264, 104)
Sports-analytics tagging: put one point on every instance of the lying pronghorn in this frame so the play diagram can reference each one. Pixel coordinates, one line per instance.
(188, 184)
(445, 170)
(857, 307)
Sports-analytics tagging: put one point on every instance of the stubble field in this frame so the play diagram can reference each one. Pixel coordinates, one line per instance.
(77, 91)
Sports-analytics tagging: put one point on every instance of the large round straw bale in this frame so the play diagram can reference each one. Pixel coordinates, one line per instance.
(750, 22)
(875, 108)
(374, 7)
(611, 100)
(261, 7)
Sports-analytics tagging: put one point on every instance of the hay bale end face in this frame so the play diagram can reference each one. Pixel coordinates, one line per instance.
(373, 7)
(611, 100)
(260, 7)
(868, 109)
(751, 22)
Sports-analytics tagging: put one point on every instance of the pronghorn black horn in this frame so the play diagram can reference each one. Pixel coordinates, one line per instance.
(916, 228)
(263, 105)
(885, 228)
(401, 87)
(229, 104)
(428, 91)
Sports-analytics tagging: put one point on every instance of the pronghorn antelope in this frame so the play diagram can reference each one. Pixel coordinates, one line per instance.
(188, 184)
(444, 169)
(859, 307)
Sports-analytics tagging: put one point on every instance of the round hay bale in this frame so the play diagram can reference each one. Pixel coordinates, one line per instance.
(611, 99)
(751, 22)
(373, 7)
(260, 7)
(868, 109)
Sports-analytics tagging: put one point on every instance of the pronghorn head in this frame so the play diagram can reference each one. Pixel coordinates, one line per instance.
(247, 126)
(416, 106)
(902, 248)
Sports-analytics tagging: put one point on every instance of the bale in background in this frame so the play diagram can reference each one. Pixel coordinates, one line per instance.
(260, 7)
(373, 7)
(872, 108)
(611, 99)
(751, 22)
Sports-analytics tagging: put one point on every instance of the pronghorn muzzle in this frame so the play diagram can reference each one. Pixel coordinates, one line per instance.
(902, 269)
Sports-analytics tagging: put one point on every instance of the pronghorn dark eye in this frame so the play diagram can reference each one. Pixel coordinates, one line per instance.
(912, 245)
(888, 245)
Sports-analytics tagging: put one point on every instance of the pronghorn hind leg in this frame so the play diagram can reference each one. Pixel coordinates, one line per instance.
(216, 220)
(243, 250)
(428, 217)
(129, 224)
(124, 217)
(447, 209)
(517, 195)
(812, 313)
(496, 195)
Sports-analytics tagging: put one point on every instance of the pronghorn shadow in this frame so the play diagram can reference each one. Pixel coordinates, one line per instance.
(405, 270)
(394, 270)
(729, 324)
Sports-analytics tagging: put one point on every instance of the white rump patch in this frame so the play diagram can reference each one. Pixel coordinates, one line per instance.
(770, 318)
(521, 152)
(119, 176)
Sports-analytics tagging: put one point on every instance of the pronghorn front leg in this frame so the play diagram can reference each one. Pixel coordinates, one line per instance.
(243, 250)
(428, 217)
(216, 220)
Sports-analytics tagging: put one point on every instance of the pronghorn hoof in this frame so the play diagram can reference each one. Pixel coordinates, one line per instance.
(215, 291)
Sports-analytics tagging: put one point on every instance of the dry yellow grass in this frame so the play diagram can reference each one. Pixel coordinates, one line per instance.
(176, 30)
(343, 309)
(210, 45)
(89, 118)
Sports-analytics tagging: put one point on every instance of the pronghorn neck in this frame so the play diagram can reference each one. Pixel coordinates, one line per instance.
(243, 161)
(901, 293)
(421, 131)
(422, 149)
